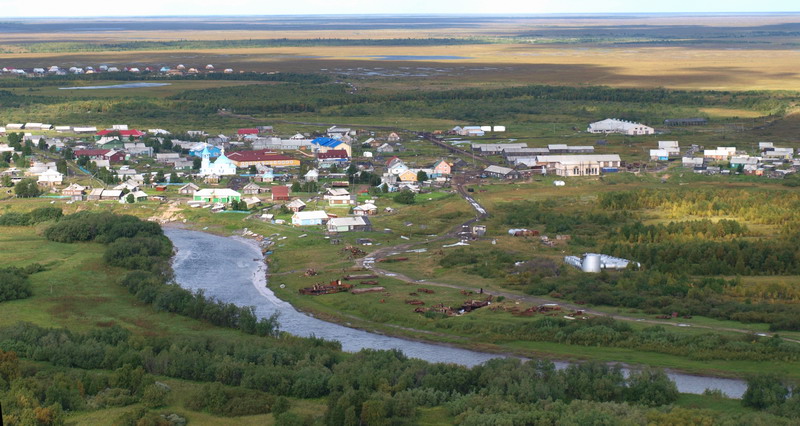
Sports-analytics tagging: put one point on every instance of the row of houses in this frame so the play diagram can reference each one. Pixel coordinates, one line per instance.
(180, 69)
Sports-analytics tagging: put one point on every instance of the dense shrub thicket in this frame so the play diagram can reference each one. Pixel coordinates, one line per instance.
(14, 282)
(31, 218)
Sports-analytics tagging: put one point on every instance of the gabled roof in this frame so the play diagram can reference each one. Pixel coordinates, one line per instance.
(311, 214)
(251, 185)
(296, 203)
(280, 191)
(247, 131)
(189, 185)
(91, 152)
(368, 206)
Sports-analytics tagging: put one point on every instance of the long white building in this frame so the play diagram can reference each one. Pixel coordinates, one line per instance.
(579, 165)
(612, 125)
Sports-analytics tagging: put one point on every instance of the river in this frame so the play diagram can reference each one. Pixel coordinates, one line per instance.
(232, 270)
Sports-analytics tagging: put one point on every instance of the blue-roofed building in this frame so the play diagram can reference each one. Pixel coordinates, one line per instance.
(213, 151)
(323, 144)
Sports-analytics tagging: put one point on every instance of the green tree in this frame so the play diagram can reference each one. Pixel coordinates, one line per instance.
(296, 187)
(6, 181)
(173, 178)
(764, 391)
(422, 176)
(252, 170)
(405, 197)
(27, 188)
(68, 154)
(42, 145)
(130, 199)
(61, 166)
(196, 163)
(159, 177)
(385, 188)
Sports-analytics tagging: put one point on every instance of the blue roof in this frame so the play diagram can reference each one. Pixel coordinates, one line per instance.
(330, 143)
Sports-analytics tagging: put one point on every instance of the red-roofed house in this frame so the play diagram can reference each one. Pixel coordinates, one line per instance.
(245, 132)
(101, 154)
(261, 158)
(127, 133)
(280, 193)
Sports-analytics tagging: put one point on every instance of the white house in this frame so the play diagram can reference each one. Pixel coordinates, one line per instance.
(309, 218)
(50, 177)
(347, 224)
(672, 147)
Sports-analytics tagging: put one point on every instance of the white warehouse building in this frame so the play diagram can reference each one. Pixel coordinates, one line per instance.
(612, 125)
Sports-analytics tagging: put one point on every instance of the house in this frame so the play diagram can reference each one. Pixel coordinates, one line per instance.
(217, 195)
(470, 131)
(691, 162)
(95, 194)
(393, 137)
(311, 176)
(672, 147)
(579, 165)
(101, 154)
(501, 172)
(441, 168)
(408, 176)
(612, 125)
(111, 195)
(367, 209)
(244, 132)
(74, 192)
(167, 157)
(338, 132)
(659, 154)
(280, 193)
(721, 153)
(347, 224)
(50, 178)
(296, 205)
(252, 189)
(385, 148)
(309, 218)
(131, 186)
(188, 189)
(197, 150)
(138, 196)
(264, 175)
(251, 201)
(262, 158)
(396, 167)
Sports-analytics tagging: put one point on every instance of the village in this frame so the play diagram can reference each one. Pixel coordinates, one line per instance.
(327, 178)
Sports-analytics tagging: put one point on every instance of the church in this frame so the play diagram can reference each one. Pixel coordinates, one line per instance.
(222, 166)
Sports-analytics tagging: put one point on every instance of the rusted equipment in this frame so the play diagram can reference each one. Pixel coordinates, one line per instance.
(359, 277)
(367, 290)
(414, 302)
(466, 293)
(425, 290)
(471, 305)
(393, 259)
(310, 273)
(354, 251)
(548, 307)
(368, 282)
(320, 288)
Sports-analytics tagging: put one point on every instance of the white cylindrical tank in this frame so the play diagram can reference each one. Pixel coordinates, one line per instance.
(591, 263)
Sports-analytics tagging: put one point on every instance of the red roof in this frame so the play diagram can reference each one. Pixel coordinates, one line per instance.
(334, 153)
(132, 132)
(91, 152)
(280, 191)
(389, 161)
(262, 155)
(248, 131)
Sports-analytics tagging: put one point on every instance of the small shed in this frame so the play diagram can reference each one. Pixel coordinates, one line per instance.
(188, 189)
(280, 193)
(252, 189)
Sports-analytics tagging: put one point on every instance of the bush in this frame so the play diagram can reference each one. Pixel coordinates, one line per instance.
(405, 197)
(764, 391)
(155, 395)
(27, 188)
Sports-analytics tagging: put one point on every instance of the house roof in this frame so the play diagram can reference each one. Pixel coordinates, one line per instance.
(190, 185)
(91, 152)
(347, 221)
(132, 132)
(368, 206)
(311, 214)
(327, 142)
(261, 155)
(217, 192)
(247, 131)
(498, 170)
(281, 191)
(296, 203)
(338, 191)
(334, 153)
(251, 185)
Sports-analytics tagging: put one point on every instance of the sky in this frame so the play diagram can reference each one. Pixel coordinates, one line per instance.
(74, 8)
